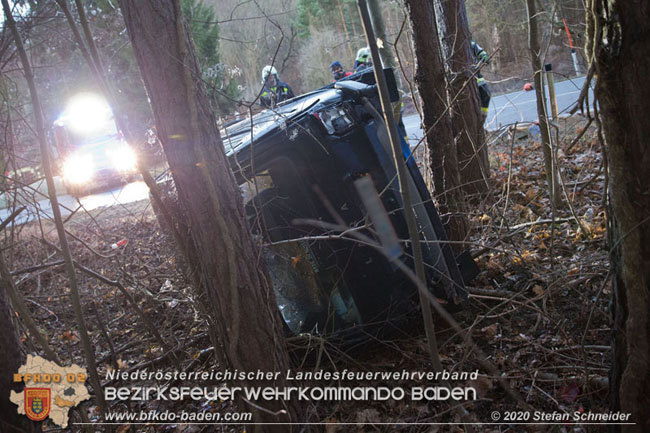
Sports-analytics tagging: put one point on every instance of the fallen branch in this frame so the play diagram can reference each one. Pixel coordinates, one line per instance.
(29, 269)
(491, 292)
(534, 223)
(597, 382)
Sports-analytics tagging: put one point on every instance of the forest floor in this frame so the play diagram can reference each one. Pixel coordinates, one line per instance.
(539, 308)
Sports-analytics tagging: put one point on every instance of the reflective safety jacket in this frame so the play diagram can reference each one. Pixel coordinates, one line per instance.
(479, 55)
(274, 95)
(483, 90)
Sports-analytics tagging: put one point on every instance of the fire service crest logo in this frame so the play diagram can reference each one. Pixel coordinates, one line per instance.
(38, 402)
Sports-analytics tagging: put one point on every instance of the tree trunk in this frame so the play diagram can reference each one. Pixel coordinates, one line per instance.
(385, 51)
(12, 356)
(431, 83)
(622, 67)
(235, 293)
(466, 119)
(535, 52)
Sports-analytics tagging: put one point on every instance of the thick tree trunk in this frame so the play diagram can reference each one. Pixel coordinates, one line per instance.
(431, 83)
(12, 356)
(466, 119)
(622, 67)
(238, 301)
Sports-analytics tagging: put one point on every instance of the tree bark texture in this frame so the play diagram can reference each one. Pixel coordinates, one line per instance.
(385, 52)
(12, 356)
(238, 301)
(431, 83)
(619, 32)
(466, 119)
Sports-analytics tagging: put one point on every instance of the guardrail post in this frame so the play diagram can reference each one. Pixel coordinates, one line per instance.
(548, 68)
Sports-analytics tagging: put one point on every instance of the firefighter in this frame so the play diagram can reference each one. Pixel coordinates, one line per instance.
(363, 59)
(338, 72)
(274, 91)
(484, 91)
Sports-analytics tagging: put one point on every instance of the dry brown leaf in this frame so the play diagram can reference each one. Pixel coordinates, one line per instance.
(368, 416)
(491, 331)
(482, 385)
(538, 290)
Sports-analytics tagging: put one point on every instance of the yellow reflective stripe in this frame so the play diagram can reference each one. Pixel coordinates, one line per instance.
(480, 80)
(484, 109)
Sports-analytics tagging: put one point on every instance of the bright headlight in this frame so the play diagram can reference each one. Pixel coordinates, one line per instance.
(87, 113)
(78, 169)
(123, 158)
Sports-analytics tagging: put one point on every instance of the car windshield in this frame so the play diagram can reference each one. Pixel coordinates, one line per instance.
(265, 121)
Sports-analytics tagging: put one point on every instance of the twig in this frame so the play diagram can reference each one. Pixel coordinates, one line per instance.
(579, 136)
(491, 292)
(52, 313)
(11, 217)
(29, 269)
(117, 350)
(505, 206)
(534, 223)
(7, 284)
(105, 334)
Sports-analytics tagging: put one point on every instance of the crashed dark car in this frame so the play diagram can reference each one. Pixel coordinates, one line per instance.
(298, 163)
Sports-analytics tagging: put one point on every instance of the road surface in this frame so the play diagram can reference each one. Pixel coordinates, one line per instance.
(134, 191)
(514, 107)
(521, 106)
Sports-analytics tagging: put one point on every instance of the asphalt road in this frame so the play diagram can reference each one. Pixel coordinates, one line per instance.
(514, 107)
(521, 106)
(134, 191)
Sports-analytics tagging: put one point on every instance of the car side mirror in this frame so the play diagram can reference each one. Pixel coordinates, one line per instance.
(355, 89)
